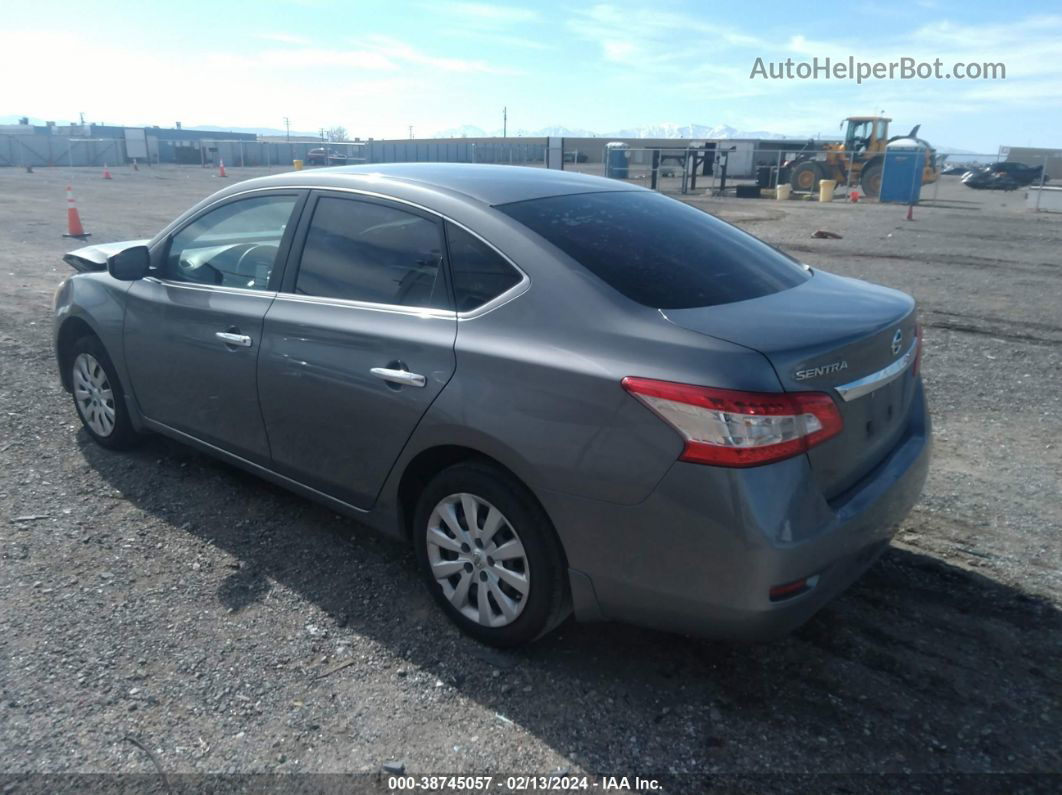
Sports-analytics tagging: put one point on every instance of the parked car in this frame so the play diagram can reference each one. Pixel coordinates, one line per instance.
(325, 157)
(576, 157)
(1002, 176)
(568, 393)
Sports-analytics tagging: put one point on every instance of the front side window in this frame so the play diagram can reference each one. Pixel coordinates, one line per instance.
(479, 272)
(362, 251)
(658, 251)
(235, 245)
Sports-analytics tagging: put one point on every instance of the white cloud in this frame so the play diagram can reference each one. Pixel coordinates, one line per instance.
(375, 89)
(283, 38)
(396, 50)
(489, 15)
(654, 40)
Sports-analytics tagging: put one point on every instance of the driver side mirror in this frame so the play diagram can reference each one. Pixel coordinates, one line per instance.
(130, 264)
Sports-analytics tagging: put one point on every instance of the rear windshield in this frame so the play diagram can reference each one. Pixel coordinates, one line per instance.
(658, 251)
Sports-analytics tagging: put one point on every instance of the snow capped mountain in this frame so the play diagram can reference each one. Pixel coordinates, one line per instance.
(665, 130)
(671, 130)
(464, 131)
(472, 131)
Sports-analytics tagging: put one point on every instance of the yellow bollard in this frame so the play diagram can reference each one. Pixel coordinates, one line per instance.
(826, 189)
(297, 164)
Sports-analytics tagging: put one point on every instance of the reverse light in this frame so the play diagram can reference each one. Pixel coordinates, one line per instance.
(726, 427)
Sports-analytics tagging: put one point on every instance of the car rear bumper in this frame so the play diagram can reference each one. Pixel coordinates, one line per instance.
(701, 554)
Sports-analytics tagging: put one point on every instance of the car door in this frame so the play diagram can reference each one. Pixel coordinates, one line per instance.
(193, 326)
(358, 343)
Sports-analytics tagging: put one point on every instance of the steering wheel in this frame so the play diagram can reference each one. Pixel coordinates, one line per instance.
(255, 256)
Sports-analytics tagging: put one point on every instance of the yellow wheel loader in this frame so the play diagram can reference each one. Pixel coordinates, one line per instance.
(857, 160)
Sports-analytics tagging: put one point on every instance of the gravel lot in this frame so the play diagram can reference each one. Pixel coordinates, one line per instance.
(230, 627)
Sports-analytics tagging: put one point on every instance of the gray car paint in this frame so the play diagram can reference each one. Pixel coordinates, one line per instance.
(534, 384)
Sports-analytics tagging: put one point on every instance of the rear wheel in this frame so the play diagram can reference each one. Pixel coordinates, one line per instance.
(489, 555)
(805, 176)
(98, 395)
(870, 180)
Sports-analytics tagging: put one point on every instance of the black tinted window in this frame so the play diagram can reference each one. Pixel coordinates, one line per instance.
(478, 271)
(367, 252)
(658, 251)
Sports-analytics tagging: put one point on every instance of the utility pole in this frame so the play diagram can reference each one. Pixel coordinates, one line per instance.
(287, 128)
(505, 121)
(322, 133)
(411, 132)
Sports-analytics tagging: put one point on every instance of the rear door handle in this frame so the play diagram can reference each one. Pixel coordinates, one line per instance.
(239, 340)
(403, 377)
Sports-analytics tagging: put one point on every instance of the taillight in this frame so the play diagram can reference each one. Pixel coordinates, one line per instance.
(729, 428)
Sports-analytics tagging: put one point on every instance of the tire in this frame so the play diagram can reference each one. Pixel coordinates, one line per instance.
(805, 176)
(870, 180)
(526, 600)
(98, 396)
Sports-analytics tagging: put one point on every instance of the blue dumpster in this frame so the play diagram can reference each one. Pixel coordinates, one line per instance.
(901, 176)
(616, 160)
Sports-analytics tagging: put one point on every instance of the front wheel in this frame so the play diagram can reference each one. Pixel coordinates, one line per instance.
(98, 395)
(805, 176)
(490, 556)
(870, 180)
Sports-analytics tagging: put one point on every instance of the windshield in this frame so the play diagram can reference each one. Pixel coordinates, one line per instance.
(658, 251)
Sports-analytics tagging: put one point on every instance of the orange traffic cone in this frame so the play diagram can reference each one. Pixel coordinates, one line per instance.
(106, 172)
(73, 220)
(221, 167)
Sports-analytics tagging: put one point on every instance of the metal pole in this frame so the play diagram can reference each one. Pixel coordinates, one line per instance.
(1043, 178)
(656, 168)
(884, 166)
(241, 155)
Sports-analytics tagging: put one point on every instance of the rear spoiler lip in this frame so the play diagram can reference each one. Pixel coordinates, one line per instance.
(94, 258)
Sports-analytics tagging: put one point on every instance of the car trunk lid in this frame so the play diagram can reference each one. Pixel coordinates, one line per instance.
(835, 335)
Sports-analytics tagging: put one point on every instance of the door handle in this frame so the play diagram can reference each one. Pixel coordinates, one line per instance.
(403, 377)
(239, 340)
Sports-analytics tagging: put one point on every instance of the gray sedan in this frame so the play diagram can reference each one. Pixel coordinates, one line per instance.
(569, 394)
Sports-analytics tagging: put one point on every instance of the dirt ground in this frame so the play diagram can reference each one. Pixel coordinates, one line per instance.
(162, 597)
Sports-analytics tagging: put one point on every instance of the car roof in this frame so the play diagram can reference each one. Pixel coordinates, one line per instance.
(490, 184)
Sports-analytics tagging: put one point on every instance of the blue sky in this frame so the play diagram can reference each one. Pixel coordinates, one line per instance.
(378, 67)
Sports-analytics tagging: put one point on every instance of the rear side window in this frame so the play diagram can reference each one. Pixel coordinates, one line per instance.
(360, 251)
(658, 251)
(480, 274)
